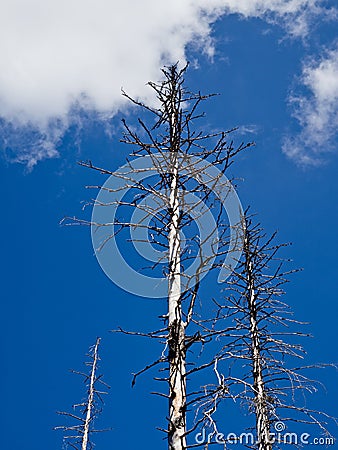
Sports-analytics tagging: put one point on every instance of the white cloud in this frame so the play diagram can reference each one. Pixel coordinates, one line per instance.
(295, 15)
(316, 112)
(57, 52)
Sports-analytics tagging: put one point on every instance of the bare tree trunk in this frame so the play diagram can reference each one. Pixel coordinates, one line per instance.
(91, 394)
(176, 341)
(262, 417)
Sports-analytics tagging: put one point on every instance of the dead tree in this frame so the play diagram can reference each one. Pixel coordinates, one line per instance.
(261, 335)
(189, 185)
(78, 436)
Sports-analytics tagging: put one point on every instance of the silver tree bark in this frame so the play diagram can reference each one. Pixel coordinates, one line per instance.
(262, 418)
(176, 340)
(91, 395)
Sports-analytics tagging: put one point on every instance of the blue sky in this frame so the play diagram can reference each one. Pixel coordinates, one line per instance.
(275, 64)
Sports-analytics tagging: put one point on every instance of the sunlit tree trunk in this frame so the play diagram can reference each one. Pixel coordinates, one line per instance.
(176, 340)
(91, 395)
(262, 418)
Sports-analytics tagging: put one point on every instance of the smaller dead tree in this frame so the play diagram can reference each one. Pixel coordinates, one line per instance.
(262, 336)
(78, 435)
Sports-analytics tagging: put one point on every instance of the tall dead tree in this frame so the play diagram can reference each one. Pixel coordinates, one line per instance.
(189, 182)
(78, 435)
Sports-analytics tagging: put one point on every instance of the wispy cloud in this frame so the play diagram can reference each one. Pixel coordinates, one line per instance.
(59, 53)
(295, 15)
(316, 111)
(249, 129)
